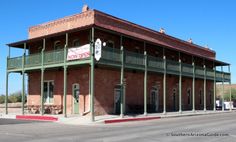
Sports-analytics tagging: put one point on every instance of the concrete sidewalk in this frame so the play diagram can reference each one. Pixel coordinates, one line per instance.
(86, 120)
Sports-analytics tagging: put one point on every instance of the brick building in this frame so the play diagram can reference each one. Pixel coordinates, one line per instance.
(139, 70)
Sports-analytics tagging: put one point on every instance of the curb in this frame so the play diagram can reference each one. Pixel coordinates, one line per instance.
(36, 118)
(130, 119)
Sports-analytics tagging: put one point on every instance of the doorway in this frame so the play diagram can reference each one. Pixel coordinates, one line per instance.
(154, 100)
(175, 100)
(75, 93)
(117, 99)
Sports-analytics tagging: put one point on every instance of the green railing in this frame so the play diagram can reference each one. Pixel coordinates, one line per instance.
(33, 60)
(155, 64)
(187, 69)
(172, 67)
(54, 57)
(199, 72)
(134, 60)
(14, 63)
(113, 57)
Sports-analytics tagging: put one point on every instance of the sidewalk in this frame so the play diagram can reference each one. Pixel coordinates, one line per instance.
(106, 119)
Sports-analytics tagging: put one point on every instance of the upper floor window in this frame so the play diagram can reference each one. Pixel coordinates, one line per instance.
(110, 44)
(57, 45)
(137, 49)
(76, 42)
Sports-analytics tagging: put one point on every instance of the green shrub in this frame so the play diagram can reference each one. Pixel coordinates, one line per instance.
(2, 99)
(12, 98)
(233, 95)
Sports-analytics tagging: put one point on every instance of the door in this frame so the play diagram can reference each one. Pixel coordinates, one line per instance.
(154, 101)
(76, 93)
(117, 99)
(174, 102)
(48, 92)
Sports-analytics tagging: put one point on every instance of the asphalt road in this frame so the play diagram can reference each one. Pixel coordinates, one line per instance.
(210, 128)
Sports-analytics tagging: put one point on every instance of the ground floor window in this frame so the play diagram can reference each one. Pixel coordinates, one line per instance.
(48, 87)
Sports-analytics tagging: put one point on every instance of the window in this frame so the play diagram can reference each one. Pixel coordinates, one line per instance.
(76, 42)
(137, 49)
(110, 44)
(200, 97)
(189, 96)
(57, 45)
(48, 87)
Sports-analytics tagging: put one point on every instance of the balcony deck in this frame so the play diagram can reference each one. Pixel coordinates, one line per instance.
(113, 57)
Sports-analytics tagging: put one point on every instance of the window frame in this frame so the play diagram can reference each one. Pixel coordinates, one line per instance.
(47, 99)
(57, 47)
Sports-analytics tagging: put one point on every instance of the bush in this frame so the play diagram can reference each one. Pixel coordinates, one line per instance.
(233, 95)
(2, 99)
(12, 98)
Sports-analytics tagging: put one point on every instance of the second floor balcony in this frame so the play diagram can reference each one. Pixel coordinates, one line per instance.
(112, 57)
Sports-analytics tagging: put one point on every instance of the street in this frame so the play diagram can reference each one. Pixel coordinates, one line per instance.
(214, 127)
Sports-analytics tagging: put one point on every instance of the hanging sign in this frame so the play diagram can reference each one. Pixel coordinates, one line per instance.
(78, 52)
(98, 49)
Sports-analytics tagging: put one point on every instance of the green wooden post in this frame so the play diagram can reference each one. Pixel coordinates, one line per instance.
(193, 88)
(214, 99)
(65, 78)
(7, 75)
(204, 88)
(180, 86)
(23, 81)
(92, 75)
(122, 78)
(6, 96)
(164, 83)
(42, 77)
(230, 91)
(223, 101)
(145, 83)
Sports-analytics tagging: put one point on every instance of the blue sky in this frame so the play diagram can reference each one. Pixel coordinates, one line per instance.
(207, 22)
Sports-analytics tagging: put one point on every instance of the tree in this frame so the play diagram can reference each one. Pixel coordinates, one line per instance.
(227, 95)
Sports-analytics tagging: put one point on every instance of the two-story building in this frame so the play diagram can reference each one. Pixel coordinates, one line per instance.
(93, 63)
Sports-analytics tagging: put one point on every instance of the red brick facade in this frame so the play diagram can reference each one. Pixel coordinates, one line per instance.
(105, 82)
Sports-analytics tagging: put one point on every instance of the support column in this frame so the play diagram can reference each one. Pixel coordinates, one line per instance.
(92, 74)
(145, 83)
(230, 91)
(122, 78)
(180, 86)
(65, 78)
(193, 88)
(164, 83)
(23, 81)
(7, 75)
(6, 96)
(204, 87)
(42, 76)
(214, 98)
(223, 101)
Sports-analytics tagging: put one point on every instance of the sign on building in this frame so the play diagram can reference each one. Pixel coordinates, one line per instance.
(78, 52)
(98, 49)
